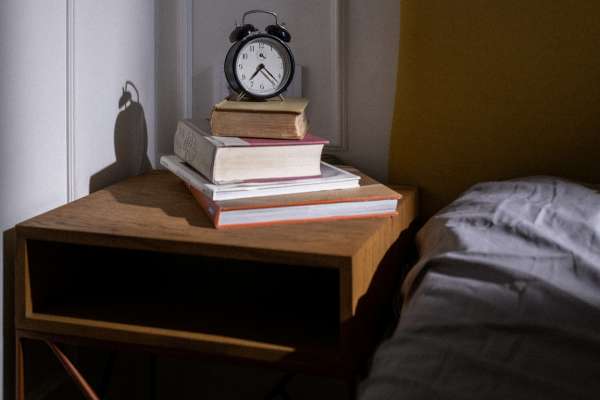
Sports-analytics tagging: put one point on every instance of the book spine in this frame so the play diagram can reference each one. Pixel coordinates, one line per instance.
(211, 209)
(255, 124)
(193, 148)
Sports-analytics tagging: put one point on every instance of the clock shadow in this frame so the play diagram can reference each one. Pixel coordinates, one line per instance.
(130, 143)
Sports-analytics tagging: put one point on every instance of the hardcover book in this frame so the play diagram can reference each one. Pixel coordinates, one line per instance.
(332, 178)
(265, 119)
(230, 159)
(371, 199)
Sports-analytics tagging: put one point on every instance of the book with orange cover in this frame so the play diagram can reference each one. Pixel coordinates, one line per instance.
(370, 199)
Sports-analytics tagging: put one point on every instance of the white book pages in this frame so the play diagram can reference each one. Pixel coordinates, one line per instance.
(332, 178)
(308, 212)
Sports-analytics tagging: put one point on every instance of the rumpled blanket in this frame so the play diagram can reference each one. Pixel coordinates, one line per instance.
(504, 302)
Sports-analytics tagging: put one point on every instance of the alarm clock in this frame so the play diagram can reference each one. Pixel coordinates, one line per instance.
(259, 64)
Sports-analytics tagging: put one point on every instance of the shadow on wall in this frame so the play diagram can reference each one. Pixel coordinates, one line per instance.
(131, 143)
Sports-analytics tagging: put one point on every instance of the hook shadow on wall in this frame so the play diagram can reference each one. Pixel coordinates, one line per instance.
(130, 142)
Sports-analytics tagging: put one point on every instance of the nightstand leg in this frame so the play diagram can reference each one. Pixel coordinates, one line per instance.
(19, 369)
(79, 380)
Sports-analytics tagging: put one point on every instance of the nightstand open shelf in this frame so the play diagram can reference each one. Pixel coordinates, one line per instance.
(201, 295)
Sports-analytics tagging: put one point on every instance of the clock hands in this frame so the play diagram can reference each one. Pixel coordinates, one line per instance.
(269, 72)
(270, 77)
(267, 76)
(258, 69)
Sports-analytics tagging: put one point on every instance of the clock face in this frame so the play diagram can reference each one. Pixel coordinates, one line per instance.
(263, 66)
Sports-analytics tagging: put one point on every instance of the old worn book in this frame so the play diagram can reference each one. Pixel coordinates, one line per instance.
(332, 178)
(371, 199)
(272, 119)
(230, 159)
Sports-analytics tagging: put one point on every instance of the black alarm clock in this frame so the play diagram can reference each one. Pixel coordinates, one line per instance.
(259, 64)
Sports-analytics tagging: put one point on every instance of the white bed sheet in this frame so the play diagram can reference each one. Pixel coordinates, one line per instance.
(504, 302)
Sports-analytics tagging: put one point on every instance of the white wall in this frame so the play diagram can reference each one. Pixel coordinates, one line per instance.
(113, 43)
(369, 34)
(33, 108)
(62, 66)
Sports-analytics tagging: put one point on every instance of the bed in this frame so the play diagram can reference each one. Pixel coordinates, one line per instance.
(504, 301)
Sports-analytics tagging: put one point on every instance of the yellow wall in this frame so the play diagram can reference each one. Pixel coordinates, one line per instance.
(495, 89)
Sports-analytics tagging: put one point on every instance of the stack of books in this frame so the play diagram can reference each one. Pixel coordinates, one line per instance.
(247, 172)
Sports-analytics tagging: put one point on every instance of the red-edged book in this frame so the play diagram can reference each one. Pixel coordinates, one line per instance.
(370, 199)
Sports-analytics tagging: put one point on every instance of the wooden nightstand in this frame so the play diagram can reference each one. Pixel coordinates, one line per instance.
(139, 264)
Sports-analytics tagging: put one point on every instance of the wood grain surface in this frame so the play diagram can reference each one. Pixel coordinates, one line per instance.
(156, 211)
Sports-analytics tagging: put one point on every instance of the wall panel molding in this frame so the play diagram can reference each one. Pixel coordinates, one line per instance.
(70, 95)
(338, 30)
(337, 22)
(186, 55)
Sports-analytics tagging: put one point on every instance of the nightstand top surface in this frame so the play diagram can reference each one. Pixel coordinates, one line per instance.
(156, 212)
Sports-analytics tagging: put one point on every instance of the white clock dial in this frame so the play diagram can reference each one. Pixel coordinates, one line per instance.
(262, 66)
